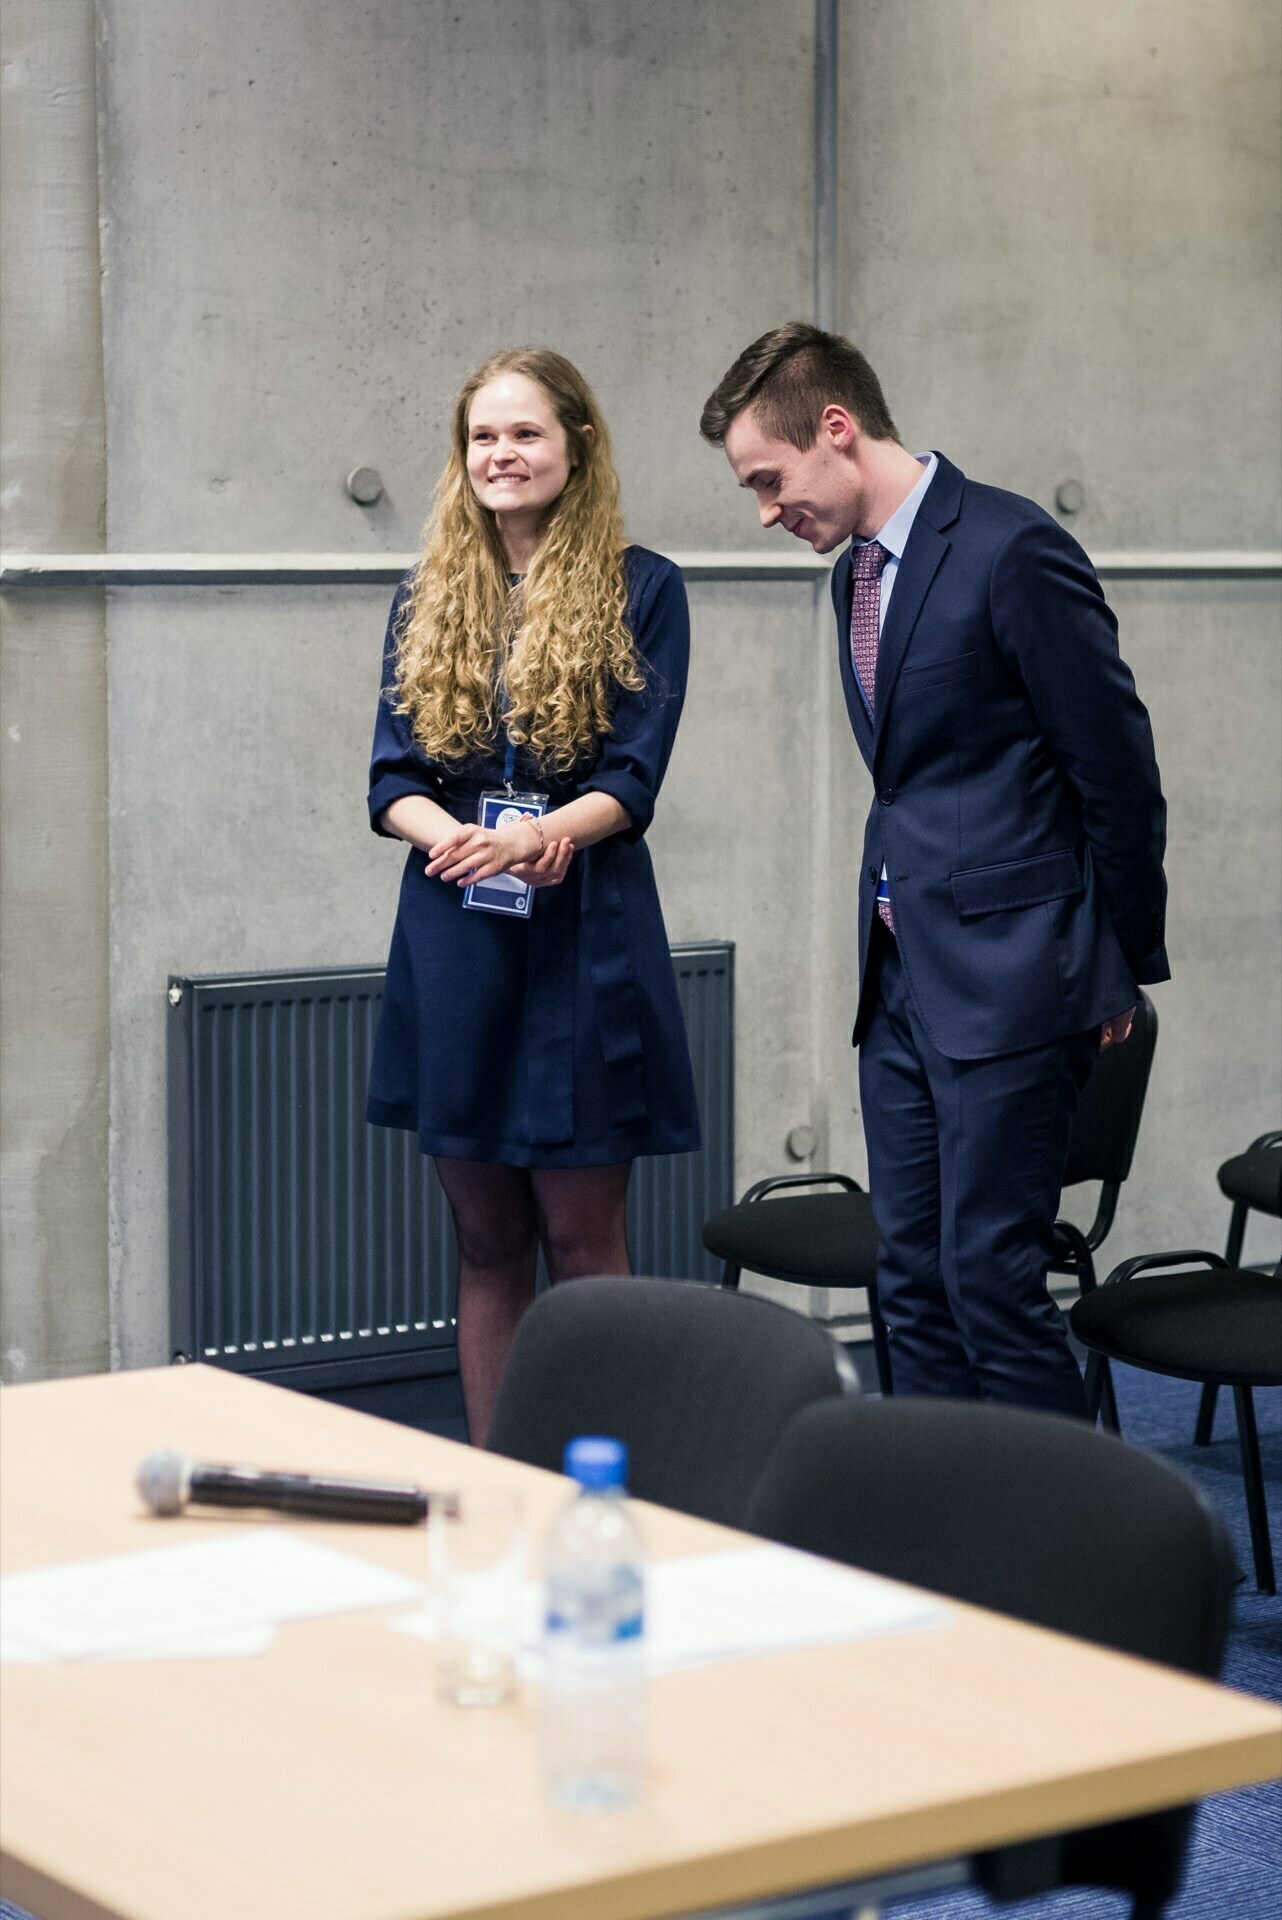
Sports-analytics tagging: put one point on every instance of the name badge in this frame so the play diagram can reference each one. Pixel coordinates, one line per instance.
(501, 893)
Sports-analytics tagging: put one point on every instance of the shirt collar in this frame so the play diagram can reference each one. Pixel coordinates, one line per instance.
(894, 535)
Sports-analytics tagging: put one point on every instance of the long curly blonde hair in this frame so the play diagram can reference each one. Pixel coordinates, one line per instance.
(557, 646)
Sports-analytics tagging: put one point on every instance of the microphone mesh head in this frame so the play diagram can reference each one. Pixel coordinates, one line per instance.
(162, 1482)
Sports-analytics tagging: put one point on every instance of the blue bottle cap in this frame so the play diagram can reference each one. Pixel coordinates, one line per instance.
(597, 1462)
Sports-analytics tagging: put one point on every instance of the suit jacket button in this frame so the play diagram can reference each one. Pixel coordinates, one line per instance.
(872, 873)
(886, 796)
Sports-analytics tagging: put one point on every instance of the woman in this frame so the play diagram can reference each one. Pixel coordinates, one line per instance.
(530, 650)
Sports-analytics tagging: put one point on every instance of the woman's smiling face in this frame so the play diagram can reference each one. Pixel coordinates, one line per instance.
(518, 458)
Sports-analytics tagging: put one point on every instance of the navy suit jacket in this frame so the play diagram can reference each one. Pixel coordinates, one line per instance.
(1017, 804)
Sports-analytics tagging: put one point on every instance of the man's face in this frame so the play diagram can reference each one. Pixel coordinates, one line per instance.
(815, 496)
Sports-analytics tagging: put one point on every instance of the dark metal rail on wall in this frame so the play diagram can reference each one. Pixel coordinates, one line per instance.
(307, 1246)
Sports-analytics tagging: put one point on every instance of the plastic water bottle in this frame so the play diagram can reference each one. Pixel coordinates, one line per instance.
(593, 1706)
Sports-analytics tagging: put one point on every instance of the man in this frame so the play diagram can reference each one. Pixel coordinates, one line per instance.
(1011, 894)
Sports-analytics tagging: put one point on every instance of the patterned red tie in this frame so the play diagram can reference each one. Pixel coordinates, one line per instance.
(865, 615)
(865, 621)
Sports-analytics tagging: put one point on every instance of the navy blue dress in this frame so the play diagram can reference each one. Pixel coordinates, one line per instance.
(556, 1041)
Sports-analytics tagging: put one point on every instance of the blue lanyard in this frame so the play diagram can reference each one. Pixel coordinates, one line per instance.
(509, 763)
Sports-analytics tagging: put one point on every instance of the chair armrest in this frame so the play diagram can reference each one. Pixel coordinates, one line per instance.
(1146, 1262)
(1071, 1241)
(1273, 1139)
(763, 1187)
(1071, 1253)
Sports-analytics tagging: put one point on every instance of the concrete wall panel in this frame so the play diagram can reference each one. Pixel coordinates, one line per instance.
(315, 222)
(318, 218)
(1063, 251)
(53, 866)
(1062, 258)
(240, 728)
(1208, 657)
(732, 847)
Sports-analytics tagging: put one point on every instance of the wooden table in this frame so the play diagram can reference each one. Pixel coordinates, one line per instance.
(323, 1780)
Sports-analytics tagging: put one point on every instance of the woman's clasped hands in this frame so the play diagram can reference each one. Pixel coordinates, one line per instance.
(472, 852)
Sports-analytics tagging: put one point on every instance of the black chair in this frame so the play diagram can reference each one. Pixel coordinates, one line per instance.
(1028, 1514)
(1218, 1324)
(1253, 1182)
(1102, 1147)
(697, 1382)
(815, 1240)
(830, 1239)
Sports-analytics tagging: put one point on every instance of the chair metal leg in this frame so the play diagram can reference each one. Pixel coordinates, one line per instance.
(1233, 1254)
(730, 1275)
(1108, 1399)
(880, 1344)
(1249, 1441)
(1205, 1415)
(1237, 1233)
(1097, 1375)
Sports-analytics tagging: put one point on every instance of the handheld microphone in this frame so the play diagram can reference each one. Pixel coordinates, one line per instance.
(168, 1482)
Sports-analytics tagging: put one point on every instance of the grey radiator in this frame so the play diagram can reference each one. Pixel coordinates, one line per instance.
(306, 1245)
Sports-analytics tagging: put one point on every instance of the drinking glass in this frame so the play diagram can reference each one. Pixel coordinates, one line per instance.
(476, 1558)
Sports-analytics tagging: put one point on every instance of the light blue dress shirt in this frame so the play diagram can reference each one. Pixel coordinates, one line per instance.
(894, 535)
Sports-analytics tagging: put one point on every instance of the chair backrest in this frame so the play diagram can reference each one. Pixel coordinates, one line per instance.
(698, 1382)
(1029, 1514)
(1107, 1125)
(1254, 1179)
(1026, 1513)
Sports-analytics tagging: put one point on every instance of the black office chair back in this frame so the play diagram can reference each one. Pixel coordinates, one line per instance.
(698, 1382)
(1107, 1125)
(1028, 1514)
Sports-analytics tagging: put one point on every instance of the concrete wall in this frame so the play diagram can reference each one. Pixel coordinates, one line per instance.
(1064, 261)
(1210, 661)
(1063, 252)
(318, 218)
(309, 241)
(53, 735)
(1058, 244)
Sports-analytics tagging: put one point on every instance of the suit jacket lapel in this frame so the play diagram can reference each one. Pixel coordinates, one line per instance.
(927, 545)
(843, 590)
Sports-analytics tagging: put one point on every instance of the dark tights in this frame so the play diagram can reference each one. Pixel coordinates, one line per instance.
(502, 1216)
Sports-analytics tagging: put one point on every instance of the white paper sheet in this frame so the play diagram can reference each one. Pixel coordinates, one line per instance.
(749, 1600)
(190, 1595)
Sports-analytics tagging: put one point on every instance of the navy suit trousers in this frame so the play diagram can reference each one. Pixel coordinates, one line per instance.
(966, 1160)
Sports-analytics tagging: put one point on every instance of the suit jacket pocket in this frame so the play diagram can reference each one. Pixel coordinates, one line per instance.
(1017, 883)
(937, 673)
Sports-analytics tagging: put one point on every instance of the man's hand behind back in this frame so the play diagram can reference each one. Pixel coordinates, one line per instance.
(1114, 1031)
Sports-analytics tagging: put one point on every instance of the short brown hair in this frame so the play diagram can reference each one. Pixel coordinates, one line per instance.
(788, 377)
